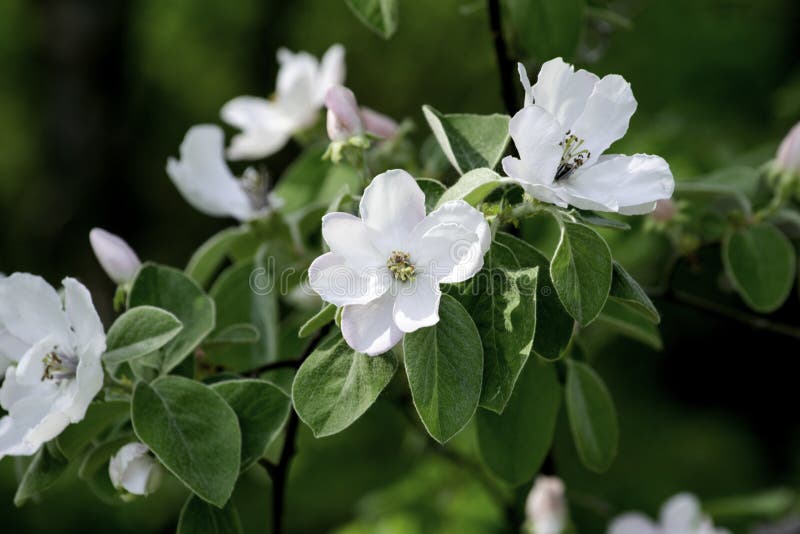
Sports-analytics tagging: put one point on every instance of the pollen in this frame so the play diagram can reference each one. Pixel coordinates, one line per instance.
(399, 263)
(58, 366)
(572, 157)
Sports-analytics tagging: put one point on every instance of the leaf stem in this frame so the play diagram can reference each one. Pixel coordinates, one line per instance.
(504, 64)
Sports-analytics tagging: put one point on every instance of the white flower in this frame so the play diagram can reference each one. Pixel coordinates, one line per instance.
(345, 119)
(546, 508)
(116, 257)
(385, 267)
(56, 349)
(562, 136)
(267, 125)
(788, 157)
(205, 181)
(681, 514)
(133, 470)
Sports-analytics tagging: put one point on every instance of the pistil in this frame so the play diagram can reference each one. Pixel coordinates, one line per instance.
(572, 157)
(59, 366)
(399, 263)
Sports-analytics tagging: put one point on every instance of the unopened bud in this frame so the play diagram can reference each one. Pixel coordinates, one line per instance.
(344, 117)
(378, 124)
(788, 157)
(133, 470)
(546, 507)
(117, 258)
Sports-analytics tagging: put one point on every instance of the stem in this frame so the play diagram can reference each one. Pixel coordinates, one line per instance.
(504, 63)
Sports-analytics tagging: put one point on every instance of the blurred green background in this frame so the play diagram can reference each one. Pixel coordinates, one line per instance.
(95, 95)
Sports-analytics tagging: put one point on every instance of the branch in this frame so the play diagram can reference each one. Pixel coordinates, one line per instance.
(504, 63)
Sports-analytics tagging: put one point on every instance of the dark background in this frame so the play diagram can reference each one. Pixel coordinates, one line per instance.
(95, 95)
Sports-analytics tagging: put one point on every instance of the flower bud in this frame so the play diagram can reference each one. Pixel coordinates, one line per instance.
(344, 117)
(665, 210)
(378, 124)
(546, 508)
(133, 470)
(118, 260)
(788, 157)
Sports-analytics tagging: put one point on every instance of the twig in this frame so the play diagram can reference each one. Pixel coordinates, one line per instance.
(504, 63)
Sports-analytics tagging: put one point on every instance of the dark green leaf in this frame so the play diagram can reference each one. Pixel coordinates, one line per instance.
(99, 416)
(629, 322)
(208, 259)
(235, 334)
(138, 332)
(323, 317)
(433, 190)
(545, 29)
(624, 289)
(380, 16)
(197, 517)
(46, 468)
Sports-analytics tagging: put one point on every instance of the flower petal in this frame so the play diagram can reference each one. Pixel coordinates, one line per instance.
(632, 523)
(681, 513)
(563, 91)
(344, 116)
(526, 84)
(339, 283)
(12, 439)
(625, 184)
(378, 124)
(606, 116)
(30, 309)
(536, 134)
(331, 69)
(370, 328)
(417, 303)
(117, 258)
(349, 237)
(83, 318)
(203, 177)
(298, 91)
(11, 348)
(458, 211)
(265, 127)
(393, 204)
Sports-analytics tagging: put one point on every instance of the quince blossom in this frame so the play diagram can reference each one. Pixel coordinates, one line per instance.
(385, 266)
(133, 470)
(345, 119)
(55, 348)
(569, 120)
(267, 125)
(203, 178)
(116, 257)
(681, 514)
(546, 507)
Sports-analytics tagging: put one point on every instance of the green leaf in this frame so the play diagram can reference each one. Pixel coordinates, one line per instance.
(469, 141)
(246, 293)
(173, 291)
(624, 289)
(544, 29)
(501, 299)
(592, 417)
(262, 410)
(598, 220)
(192, 431)
(629, 322)
(581, 271)
(513, 445)
(208, 259)
(44, 470)
(235, 334)
(552, 339)
(761, 262)
(299, 184)
(380, 16)
(323, 317)
(139, 332)
(197, 517)
(99, 416)
(473, 187)
(336, 385)
(444, 365)
(433, 190)
(94, 469)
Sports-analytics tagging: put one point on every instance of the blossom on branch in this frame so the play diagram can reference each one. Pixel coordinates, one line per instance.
(133, 470)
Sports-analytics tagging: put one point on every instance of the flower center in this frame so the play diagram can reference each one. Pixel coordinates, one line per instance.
(59, 366)
(255, 184)
(400, 265)
(572, 157)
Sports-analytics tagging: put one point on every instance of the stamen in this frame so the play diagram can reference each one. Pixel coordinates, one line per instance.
(572, 157)
(400, 266)
(59, 366)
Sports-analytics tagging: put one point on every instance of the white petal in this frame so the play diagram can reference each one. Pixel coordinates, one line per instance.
(48, 428)
(11, 348)
(536, 134)
(83, 318)
(563, 91)
(30, 369)
(632, 523)
(298, 92)
(393, 204)
(117, 258)
(519, 173)
(30, 309)
(339, 283)
(680, 513)
(370, 328)
(351, 238)
(203, 177)
(449, 252)
(12, 442)
(265, 127)
(417, 303)
(458, 211)
(625, 184)
(526, 84)
(331, 69)
(133, 469)
(606, 116)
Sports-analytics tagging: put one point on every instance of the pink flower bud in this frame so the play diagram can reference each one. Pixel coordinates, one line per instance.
(344, 117)
(546, 508)
(117, 259)
(377, 123)
(788, 156)
(665, 210)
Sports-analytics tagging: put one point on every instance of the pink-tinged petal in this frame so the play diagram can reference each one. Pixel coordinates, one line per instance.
(633, 523)
(536, 134)
(31, 310)
(370, 328)
(606, 116)
(116, 257)
(344, 116)
(624, 184)
(378, 124)
(392, 205)
(563, 91)
(339, 283)
(203, 178)
(417, 303)
(788, 156)
(351, 238)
